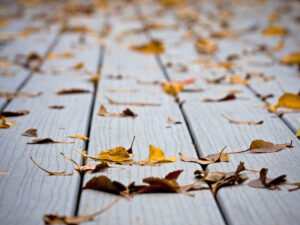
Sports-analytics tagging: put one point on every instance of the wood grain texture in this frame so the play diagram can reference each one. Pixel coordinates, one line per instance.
(211, 131)
(27, 193)
(150, 127)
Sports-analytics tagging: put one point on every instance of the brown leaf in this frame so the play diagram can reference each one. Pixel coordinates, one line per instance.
(173, 122)
(261, 146)
(30, 133)
(57, 219)
(49, 172)
(56, 107)
(47, 141)
(264, 182)
(243, 122)
(17, 94)
(215, 80)
(14, 113)
(219, 157)
(72, 91)
(220, 179)
(228, 97)
(33, 61)
(130, 103)
(126, 113)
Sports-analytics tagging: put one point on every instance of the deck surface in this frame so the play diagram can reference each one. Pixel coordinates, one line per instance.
(101, 44)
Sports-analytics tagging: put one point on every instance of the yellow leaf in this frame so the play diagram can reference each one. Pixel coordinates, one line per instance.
(78, 66)
(157, 155)
(80, 136)
(152, 47)
(173, 88)
(117, 154)
(4, 124)
(298, 132)
(274, 31)
(290, 59)
(65, 55)
(206, 46)
(287, 100)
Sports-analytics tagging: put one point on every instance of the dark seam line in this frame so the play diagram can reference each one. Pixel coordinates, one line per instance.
(166, 74)
(91, 112)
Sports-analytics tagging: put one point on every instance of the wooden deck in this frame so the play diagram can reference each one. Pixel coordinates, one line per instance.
(28, 193)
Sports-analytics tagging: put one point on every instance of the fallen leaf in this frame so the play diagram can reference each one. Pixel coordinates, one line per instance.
(243, 122)
(205, 46)
(126, 113)
(64, 55)
(4, 172)
(220, 179)
(173, 122)
(33, 61)
(274, 31)
(49, 172)
(287, 100)
(261, 146)
(298, 132)
(174, 87)
(219, 157)
(78, 66)
(47, 141)
(237, 79)
(17, 94)
(56, 107)
(291, 58)
(279, 46)
(30, 133)
(152, 47)
(264, 182)
(156, 155)
(80, 136)
(72, 91)
(228, 97)
(130, 103)
(14, 113)
(57, 219)
(5, 124)
(215, 80)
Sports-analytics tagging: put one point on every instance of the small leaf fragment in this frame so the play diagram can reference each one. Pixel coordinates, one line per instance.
(130, 103)
(126, 113)
(72, 91)
(14, 113)
(47, 141)
(30, 133)
(173, 122)
(228, 97)
(205, 46)
(80, 136)
(56, 107)
(78, 66)
(152, 47)
(243, 122)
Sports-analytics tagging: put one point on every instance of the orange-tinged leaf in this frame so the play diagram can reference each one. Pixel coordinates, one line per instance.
(206, 46)
(64, 55)
(274, 31)
(117, 154)
(287, 100)
(156, 155)
(80, 136)
(237, 79)
(4, 124)
(291, 58)
(174, 87)
(78, 66)
(261, 146)
(152, 47)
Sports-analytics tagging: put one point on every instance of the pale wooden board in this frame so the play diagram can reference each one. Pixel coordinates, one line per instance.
(241, 205)
(27, 193)
(150, 127)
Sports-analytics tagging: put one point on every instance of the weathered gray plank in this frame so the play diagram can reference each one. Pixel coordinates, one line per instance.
(27, 193)
(211, 132)
(150, 127)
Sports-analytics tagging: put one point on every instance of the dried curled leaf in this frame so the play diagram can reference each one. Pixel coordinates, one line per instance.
(4, 124)
(126, 113)
(57, 219)
(47, 141)
(243, 122)
(274, 31)
(205, 46)
(30, 133)
(14, 113)
(220, 179)
(261, 146)
(152, 47)
(219, 157)
(173, 122)
(264, 182)
(228, 97)
(56, 107)
(72, 91)
(291, 59)
(49, 172)
(80, 136)
(287, 100)
(130, 103)
(17, 94)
